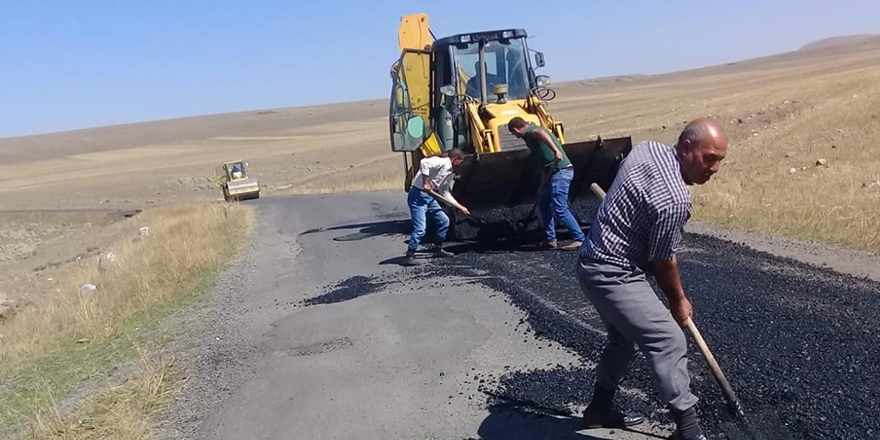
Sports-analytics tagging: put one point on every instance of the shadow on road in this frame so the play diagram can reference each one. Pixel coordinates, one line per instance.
(518, 422)
(499, 247)
(535, 404)
(523, 242)
(521, 424)
(367, 230)
(424, 257)
(350, 288)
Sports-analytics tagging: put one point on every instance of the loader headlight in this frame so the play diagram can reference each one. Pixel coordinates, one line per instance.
(448, 90)
(542, 80)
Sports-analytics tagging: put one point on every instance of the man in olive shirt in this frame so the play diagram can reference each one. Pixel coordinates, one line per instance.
(553, 197)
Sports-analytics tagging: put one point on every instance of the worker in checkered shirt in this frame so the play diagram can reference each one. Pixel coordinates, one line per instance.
(635, 235)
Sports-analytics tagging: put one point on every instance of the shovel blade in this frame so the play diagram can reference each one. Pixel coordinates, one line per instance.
(763, 424)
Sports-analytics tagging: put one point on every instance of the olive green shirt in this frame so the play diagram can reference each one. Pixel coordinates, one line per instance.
(543, 153)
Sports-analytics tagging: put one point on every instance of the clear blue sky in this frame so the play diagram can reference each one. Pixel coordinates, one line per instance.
(85, 63)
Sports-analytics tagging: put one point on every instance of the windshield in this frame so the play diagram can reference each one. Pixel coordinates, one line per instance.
(505, 64)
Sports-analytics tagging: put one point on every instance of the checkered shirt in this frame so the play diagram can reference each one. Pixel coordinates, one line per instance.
(644, 212)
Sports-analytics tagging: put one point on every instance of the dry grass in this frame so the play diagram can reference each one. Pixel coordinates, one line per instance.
(772, 183)
(70, 337)
(380, 175)
(183, 243)
(119, 412)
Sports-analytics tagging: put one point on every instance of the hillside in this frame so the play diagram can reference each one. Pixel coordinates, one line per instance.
(846, 43)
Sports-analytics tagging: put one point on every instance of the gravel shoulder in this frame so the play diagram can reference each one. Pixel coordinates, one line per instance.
(856, 263)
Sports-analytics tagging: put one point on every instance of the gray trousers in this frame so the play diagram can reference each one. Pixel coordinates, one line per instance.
(636, 320)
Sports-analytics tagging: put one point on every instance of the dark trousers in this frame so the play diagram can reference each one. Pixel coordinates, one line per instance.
(637, 320)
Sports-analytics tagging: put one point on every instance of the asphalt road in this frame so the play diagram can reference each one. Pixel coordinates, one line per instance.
(319, 333)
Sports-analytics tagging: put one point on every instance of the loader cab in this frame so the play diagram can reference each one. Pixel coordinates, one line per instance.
(485, 68)
(432, 87)
(502, 57)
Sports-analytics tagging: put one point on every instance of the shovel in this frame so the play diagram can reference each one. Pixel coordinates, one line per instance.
(433, 193)
(748, 430)
(525, 221)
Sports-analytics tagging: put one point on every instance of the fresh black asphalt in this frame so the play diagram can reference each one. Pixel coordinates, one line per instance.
(798, 343)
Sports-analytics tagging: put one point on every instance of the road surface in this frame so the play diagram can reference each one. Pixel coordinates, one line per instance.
(320, 333)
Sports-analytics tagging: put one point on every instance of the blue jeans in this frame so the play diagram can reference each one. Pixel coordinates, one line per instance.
(553, 199)
(422, 205)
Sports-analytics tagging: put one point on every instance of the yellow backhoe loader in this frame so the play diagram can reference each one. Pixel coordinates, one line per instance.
(461, 91)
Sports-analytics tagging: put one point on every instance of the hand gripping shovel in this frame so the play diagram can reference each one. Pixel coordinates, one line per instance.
(746, 430)
(478, 222)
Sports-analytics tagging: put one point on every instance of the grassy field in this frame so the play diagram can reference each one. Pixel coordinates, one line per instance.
(73, 342)
(812, 170)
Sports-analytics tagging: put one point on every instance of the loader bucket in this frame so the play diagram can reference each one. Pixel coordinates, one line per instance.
(500, 189)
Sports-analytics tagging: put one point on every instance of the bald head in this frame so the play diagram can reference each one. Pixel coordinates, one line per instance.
(702, 129)
(702, 145)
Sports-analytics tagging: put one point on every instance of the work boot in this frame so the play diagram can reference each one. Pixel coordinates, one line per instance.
(602, 414)
(612, 418)
(440, 252)
(547, 244)
(573, 246)
(675, 436)
(687, 427)
(410, 259)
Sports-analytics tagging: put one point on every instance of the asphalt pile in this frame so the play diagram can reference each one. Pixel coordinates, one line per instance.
(519, 222)
(798, 343)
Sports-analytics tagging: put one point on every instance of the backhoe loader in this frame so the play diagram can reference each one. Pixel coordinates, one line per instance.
(461, 91)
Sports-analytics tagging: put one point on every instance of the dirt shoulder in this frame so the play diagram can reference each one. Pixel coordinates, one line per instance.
(851, 262)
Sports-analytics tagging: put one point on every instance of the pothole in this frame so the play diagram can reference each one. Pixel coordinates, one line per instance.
(320, 347)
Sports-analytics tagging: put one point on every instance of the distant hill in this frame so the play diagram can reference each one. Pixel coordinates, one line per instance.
(847, 42)
(817, 51)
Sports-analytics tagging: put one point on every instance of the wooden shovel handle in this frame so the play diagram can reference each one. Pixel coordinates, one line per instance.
(597, 190)
(439, 197)
(732, 401)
